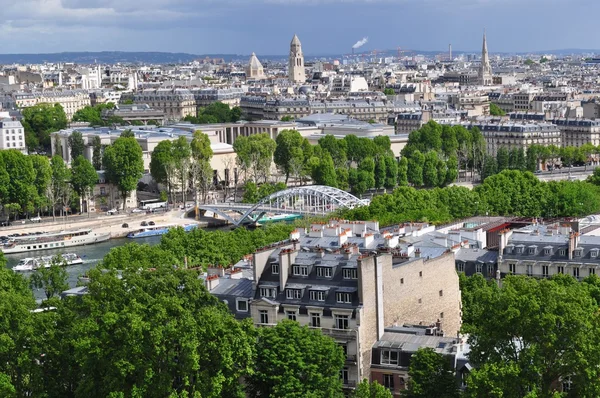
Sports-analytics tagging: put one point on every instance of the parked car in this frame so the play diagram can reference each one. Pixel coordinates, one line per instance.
(137, 210)
(144, 223)
(112, 211)
(36, 219)
(125, 225)
(151, 223)
(5, 224)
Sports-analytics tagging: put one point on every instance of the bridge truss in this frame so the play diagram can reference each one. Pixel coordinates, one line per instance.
(307, 200)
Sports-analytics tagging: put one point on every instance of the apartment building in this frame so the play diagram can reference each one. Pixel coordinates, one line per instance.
(70, 100)
(176, 103)
(576, 132)
(546, 250)
(12, 135)
(350, 281)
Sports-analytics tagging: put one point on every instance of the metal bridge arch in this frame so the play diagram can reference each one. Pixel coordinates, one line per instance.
(310, 199)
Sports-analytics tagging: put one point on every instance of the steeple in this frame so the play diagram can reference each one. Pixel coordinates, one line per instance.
(296, 73)
(485, 69)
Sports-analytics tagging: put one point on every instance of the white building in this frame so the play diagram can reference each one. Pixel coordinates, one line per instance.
(12, 135)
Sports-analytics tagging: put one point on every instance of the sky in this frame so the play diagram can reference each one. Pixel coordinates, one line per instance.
(267, 26)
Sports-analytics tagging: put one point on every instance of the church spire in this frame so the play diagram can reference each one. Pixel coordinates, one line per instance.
(485, 69)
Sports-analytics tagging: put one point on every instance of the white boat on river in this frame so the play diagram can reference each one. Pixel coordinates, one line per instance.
(32, 264)
(51, 240)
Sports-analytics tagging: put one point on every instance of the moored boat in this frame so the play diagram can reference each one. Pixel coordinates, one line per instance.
(52, 240)
(34, 263)
(158, 230)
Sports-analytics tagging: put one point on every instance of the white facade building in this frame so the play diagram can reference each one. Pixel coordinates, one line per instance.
(12, 135)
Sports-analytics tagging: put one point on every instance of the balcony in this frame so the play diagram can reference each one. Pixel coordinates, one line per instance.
(349, 384)
(351, 359)
(342, 333)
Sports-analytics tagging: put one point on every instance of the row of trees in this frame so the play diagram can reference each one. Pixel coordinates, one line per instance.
(510, 192)
(435, 153)
(538, 157)
(179, 164)
(93, 115)
(217, 112)
(30, 183)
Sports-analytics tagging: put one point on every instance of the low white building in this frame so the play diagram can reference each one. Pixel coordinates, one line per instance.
(12, 134)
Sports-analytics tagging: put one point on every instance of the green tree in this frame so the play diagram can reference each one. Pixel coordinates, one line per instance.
(43, 176)
(97, 153)
(83, 179)
(202, 172)
(532, 158)
(415, 168)
(490, 167)
(389, 91)
(451, 170)
(52, 279)
(59, 182)
(324, 173)
(391, 172)
(288, 153)
(495, 110)
(162, 167)
(336, 148)
(430, 174)
(295, 361)
(124, 165)
(39, 121)
(403, 172)
(250, 193)
(255, 154)
(502, 159)
(127, 133)
(364, 389)
(431, 375)
(76, 144)
(546, 333)
(528, 62)
(287, 118)
(181, 161)
(7, 390)
(379, 172)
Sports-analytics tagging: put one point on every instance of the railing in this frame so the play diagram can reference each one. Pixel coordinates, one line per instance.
(339, 332)
(351, 358)
(349, 383)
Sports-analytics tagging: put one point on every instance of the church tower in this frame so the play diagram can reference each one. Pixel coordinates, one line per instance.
(254, 70)
(296, 67)
(485, 70)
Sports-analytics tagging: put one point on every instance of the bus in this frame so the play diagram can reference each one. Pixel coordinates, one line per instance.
(152, 204)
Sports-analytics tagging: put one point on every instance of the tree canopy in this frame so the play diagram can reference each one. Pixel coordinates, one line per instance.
(217, 112)
(123, 164)
(39, 121)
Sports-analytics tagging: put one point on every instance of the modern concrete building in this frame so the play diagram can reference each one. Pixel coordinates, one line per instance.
(135, 113)
(296, 72)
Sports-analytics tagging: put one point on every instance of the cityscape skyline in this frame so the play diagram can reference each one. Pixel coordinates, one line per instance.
(36, 26)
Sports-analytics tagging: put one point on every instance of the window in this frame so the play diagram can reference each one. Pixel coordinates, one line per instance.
(490, 270)
(512, 268)
(344, 375)
(343, 297)
(576, 272)
(560, 270)
(264, 316)
(341, 321)
(547, 252)
(102, 191)
(324, 272)
(291, 315)
(441, 292)
(389, 357)
(293, 294)
(275, 269)
(532, 250)
(460, 267)
(388, 381)
(317, 295)
(300, 270)
(402, 281)
(267, 292)
(592, 271)
(350, 273)
(441, 315)
(594, 253)
(578, 252)
(479, 268)
(315, 319)
(420, 273)
(561, 252)
(242, 305)
(545, 272)
(529, 270)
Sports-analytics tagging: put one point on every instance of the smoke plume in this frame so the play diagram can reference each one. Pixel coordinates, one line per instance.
(361, 42)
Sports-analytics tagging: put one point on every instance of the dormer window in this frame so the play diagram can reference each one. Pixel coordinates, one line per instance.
(275, 269)
(293, 294)
(324, 272)
(300, 270)
(594, 253)
(578, 252)
(342, 297)
(532, 249)
(267, 292)
(562, 252)
(548, 251)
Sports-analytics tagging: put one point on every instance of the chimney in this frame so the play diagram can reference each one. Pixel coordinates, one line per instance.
(572, 245)
(212, 281)
(236, 273)
(418, 253)
(287, 257)
(347, 254)
(218, 270)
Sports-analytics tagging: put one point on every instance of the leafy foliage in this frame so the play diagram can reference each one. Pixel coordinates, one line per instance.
(296, 361)
(364, 389)
(123, 164)
(39, 121)
(217, 112)
(495, 110)
(431, 375)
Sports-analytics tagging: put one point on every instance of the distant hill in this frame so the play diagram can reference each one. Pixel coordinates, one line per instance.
(127, 57)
